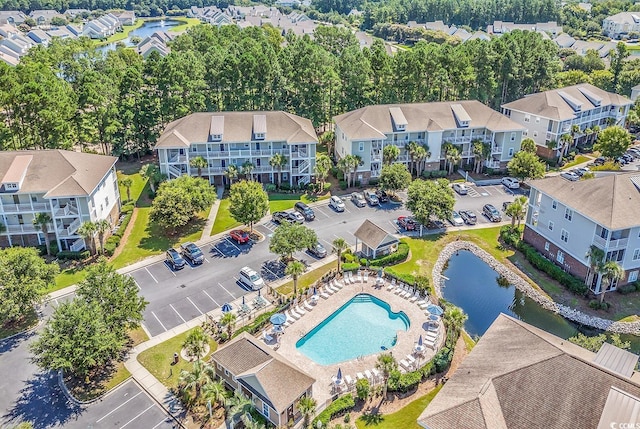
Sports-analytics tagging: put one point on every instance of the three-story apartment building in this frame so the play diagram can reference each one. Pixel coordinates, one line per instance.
(236, 138)
(548, 115)
(565, 219)
(366, 131)
(71, 187)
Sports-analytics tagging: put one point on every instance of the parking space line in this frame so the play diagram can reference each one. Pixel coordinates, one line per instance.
(164, 420)
(274, 274)
(321, 211)
(179, 315)
(394, 225)
(134, 280)
(141, 413)
(328, 242)
(192, 303)
(119, 406)
(170, 270)
(225, 289)
(154, 315)
(214, 301)
(147, 270)
(207, 261)
(231, 242)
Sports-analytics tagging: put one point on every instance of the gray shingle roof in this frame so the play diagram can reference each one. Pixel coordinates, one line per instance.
(373, 236)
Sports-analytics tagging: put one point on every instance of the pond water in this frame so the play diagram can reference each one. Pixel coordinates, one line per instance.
(473, 286)
(145, 30)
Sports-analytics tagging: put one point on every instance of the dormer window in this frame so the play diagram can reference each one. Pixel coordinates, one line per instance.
(259, 136)
(12, 186)
(216, 137)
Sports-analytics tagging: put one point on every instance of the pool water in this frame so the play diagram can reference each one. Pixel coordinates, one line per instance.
(364, 325)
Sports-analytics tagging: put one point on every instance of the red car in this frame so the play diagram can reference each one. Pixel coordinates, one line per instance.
(239, 236)
(407, 223)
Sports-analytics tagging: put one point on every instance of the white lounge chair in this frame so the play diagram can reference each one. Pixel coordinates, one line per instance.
(369, 376)
(376, 374)
(405, 293)
(293, 314)
(300, 311)
(398, 290)
(414, 298)
(359, 375)
(411, 360)
(308, 306)
(404, 364)
(337, 284)
(430, 344)
(333, 287)
(391, 287)
(323, 294)
(328, 290)
(345, 278)
(348, 380)
(423, 304)
(366, 277)
(359, 277)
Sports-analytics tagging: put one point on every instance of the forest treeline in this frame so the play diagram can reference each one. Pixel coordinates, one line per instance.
(69, 94)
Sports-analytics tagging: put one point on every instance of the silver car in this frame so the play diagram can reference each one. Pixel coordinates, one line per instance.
(456, 219)
(336, 203)
(358, 199)
(570, 175)
(460, 188)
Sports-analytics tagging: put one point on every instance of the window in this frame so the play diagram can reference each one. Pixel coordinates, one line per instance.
(106, 201)
(535, 134)
(525, 133)
(568, 214)
(361, 146)
(554, 204)
(636, 255)
(633, 276)
(513, 137)
(550, 226)
(194, 149)
(537, 119)
(510, 151)
(527, 118)
(546, 246)
(560, 257)
(564, 236)
(226, 372)
(265, 409)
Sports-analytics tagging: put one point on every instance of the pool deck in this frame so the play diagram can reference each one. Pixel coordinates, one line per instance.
(324, 388)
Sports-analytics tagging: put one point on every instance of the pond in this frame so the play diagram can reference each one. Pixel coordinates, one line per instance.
(145, 30)
(473, 286)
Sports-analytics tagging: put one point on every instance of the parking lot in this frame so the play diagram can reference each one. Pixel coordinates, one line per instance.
(176, 297)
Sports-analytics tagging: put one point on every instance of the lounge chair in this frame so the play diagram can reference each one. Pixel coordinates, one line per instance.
(404, 364)
(398, 290)
(376, 374)
(338, 283)
(411, 360)
(430, 344)
(405, 293)
(308, 306)
(300, 311)
(266, 337)
(359, 376)
(328, 290)
(423, 304)
(429, 335)
(414, 298)
(366, 277)
(293, 314)
(351, 278)
(323, 294)
(359, 277)
(332, 287)
(345, 278)
(391, 287)
(369, 376)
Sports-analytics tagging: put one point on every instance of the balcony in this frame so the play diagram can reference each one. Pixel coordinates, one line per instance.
(496, 149)
(178, 159)
(68, 210)
(69, 230)
(376, 158)
(18, 208)
(610, 244)
(77, 245)
(302, 168)
(237, 153)
(23, 229)
(300, 153)
(264, 169)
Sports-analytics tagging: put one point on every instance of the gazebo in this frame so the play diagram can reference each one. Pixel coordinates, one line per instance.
(374, 241)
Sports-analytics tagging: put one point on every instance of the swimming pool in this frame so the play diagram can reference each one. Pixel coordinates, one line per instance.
(362, 326)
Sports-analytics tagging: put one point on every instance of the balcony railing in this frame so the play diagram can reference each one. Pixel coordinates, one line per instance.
(610, 244)
(16, 208)
(174, 172)
(23, 229)
(496, 149)
(300, 153)
(235, 153)
(68, 210)
(77, 245)
(178, 159)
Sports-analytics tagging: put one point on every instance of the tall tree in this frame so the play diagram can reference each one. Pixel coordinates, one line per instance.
(102, 226)
(43, 220)
(229, 321)
(180, 200)
(247, 170)
(192, 380)
(339, 245)
(517, 210)
(322, 168)
(394, 177)
(526, 165)
(613, 142)
(248, 202)
(432, 198)
(88, 232)
(611, 272)
(195, 343)
(152, 173)
(307, 407)
(198, 163)
(528, 145)
(454, 319)
(127, 182)
(231, 173)
(386, 363)
(295, 269)
(390, 154)
(278, 161)
(288, 238)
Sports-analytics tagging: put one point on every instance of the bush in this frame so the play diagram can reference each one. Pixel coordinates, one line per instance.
(327, 186)
(259, 323)
(404, 382)
(285, 186)
(402, 277)
(334, 172)
(270, 187)
(541, 263)
(348, 257)
(625, 289)
(442, 359)
(364, 262)
(343, 185)
(123, 225)
(510, 235)
(363, 389)
(597, 305)
(637, 285)
(127, 208)
(374, 181)
(393, 258)
(336, 408)
(111, 244)
(74, 256)
(350, 266)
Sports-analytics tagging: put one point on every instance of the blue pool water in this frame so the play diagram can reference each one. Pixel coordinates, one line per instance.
(362, 326)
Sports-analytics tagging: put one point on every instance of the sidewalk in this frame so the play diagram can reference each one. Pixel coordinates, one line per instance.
(212, 214)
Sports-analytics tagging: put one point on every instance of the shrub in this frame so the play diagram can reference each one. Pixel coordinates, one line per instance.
(442, 359)
(285, 186)
(393, 258)
(541, 263)
(625, 289)
(327, 186)
(510, 235)
(350, 266)
(258, 323)
(364, 262)
(334, 172)
(75, 256)
(348, 257)
(270, 187)
(404, 382)
(374, 181)
(637, 285)
(336, 408)
(405, 278)
(111, 244)
(127, 208)
(597, 305)
(343, 185)
(607, 166)
(363, 389)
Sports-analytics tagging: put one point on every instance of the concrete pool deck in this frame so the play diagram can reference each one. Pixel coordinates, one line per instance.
(323, 388)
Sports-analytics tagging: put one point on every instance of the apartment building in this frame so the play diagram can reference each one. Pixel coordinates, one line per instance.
(72, 187)
(366, 131)
(548, 115)
(236, 138)
(621, 24)
(565, 219)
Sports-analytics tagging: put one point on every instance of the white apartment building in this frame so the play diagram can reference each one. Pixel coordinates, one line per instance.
(72, 187)
(621, 24)
(565, 219)
(548, 115)
(366, 131)
(234, 138)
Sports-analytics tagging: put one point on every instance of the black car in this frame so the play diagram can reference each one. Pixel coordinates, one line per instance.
(382, 196)
(468, 217)
(175, 260)
(505, 205)
(436, 224)
(318, 251)
(305, 210)
(192, 252)
(279, 217)
(599, 161)
(491, 213)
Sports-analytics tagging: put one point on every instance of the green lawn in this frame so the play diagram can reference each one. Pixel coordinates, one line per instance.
(68, 277)
(280, 202)
(137, 187)
(224, 221)
(579, 159)
(186, 23)
(157, 360)
(404, 418)
(468, 341)
(126, 29)
(308, 278)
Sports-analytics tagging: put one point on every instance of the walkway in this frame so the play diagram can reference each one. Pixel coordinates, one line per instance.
(206, 232)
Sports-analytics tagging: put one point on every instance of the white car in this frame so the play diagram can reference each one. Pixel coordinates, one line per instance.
(250, 278)
(456, 219)
(336, 203)
(460, 188)
(570, 175)
(510, 182)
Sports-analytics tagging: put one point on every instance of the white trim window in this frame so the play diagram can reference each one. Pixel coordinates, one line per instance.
(361, 146)
(560, 257)
(554, 204)
(546, 246)
(636, 255)
(568, 214)
(633, 276)
(564, 235)
(550, 226)
(265, 409)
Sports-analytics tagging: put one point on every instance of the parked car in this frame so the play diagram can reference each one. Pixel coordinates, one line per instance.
(469, 217)
(371, 198)
(505, 205)
(239, 236)
(570, 175)
(250, 278)
(304, 210)
(175, 260)
(192, 252)
(407, 223)
(599, 161)
(620, 160)
(296, 218)
(627, 157)
(491, 213)
(336, 203)
(510, 182)
(460, 188)
(582, 170)
(318, 251)
(456, 219)
(577, 172)
(382, 196)
(358, 199)
(279, 217)
(436, 224)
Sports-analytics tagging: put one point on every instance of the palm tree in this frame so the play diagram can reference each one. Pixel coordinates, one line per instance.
(339, 246)
(307, 406)
(127, 182)
(87, 231)
(195, 343)
(295, 269)
(228, 320)
(344, 165)
(231, 173)
(596, 130)
(453, 319)
(517, 210)
(596, 259)
(278, 161)
(199, 163)
(566, 140)
(390, 154)
(386, 364)
(42, 221)
(215, 392)
(240, 405)
(575, 129)
(477, 149)
(200, 374)
(611, 272)
(151, 172)
(453, 157)
(102, 226)
(356, 161)
(421, 155)
(322, 168)
(412, 147)
(247, 169)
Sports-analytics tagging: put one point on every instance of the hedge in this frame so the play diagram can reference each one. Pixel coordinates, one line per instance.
(259, 323)
(405, 278)
(337, 407)
(76, 256)
(393, 258)
(350, 266)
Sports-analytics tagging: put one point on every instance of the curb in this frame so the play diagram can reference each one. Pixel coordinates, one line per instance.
(26, 331)
(78, 402)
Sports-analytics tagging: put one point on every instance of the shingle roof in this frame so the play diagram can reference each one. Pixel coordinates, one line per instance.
(60, 173)
(240, 356)
(520, 377)
(612, 201)
(374, 236)
(238, 127)
(374, 122)
(551, 104)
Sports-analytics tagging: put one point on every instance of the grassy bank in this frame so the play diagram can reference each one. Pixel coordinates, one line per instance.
(308, 279)
(224, 221)
(126, 29)
(186, 23)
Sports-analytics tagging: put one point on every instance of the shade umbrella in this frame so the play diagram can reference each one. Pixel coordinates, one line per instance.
(278, 319)
(242, 299)
(226, 307)
(315, 291)
(420, 340)
(434, 309)
(258, 292)
(339, 376)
